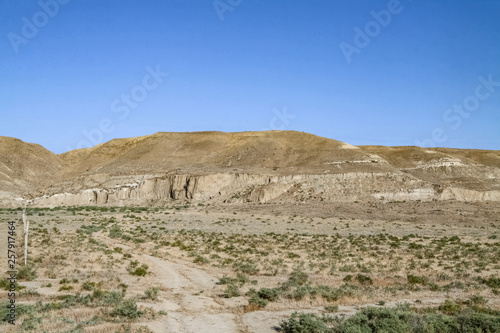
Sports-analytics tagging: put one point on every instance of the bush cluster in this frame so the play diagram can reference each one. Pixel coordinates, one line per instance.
(448, 318)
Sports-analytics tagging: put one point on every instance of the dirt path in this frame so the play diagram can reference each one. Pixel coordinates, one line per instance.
(185, 299)
(188, 309)
(193, 306)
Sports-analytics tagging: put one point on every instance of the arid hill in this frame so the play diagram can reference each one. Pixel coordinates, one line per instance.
(25, 167)
(275, 152)
(273, 166)
(467, 168)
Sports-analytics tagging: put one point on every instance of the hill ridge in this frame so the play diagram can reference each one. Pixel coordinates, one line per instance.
(280, 162)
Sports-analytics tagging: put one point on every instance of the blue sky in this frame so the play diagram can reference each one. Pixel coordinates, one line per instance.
(75, 73)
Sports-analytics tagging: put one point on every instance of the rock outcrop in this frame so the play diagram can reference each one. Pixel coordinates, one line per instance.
(258, 167)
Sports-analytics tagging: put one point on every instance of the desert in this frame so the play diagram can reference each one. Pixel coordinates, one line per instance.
(252, 232)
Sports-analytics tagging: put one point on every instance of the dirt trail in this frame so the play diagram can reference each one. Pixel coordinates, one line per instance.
(188, 309)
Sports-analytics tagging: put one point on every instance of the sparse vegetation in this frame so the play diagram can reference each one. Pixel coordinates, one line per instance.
(100, 260)
(152, 293)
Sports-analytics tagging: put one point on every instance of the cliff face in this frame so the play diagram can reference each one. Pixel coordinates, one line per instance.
(259, 167)
(241, 188)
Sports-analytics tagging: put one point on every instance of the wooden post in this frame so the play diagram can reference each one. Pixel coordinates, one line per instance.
(26, 225)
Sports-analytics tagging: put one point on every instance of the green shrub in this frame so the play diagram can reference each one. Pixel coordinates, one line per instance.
(31, 324)
(434, 287)
(298, 277)
(413, 279)
(449, 307)
(299, 293)
(5, 285)
(21, 309)
(347, 278)
(152, 293)
(127, 309)
(305, 323)
(27, 273)
(115, 232)
(364, 279)
(269, 294)
(492, 282)
(225, 280)
(231, 291)
(257, 301)
(242, 279)
(200, 260)
(64, 281)
(89, 229)
(106, 298)
(331, 294)
(65, 287)
(372, 319)
(140, 271)
(436, 322)
(248, 268)
(87, 285)
(478, 322)
(477, 300)
(137, 271)
(112, 298)
(401, 319)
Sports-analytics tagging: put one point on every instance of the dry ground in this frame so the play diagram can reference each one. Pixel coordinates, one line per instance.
(245, 268)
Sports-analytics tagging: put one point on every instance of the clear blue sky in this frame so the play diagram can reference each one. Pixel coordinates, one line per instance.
(77, 73)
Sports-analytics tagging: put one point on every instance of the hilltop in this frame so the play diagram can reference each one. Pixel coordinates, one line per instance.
(24, 167)
(275, 152)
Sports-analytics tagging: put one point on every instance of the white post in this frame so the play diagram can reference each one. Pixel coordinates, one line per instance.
(26, 225)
